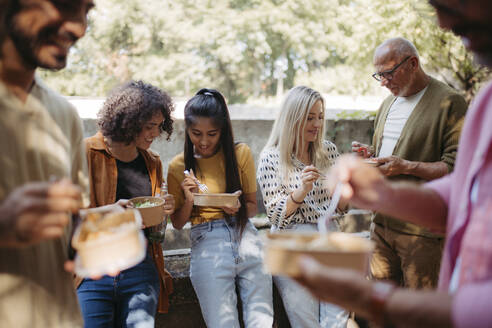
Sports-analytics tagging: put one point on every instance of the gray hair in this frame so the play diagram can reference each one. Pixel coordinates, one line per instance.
(399, 47)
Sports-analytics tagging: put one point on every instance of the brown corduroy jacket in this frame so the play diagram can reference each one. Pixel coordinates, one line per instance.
(103, 180)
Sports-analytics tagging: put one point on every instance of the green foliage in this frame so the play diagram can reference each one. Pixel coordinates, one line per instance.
(356, 115)
(251, 49)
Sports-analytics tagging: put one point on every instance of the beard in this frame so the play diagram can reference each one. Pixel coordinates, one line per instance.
(28, 46)
(482, 51)
(483, 58)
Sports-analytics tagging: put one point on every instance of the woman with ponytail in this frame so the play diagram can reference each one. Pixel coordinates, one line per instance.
(226, 253)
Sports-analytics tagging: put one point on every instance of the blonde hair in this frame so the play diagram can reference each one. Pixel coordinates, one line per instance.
(287, 131)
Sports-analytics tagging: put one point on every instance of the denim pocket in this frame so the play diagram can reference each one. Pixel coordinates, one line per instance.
(197, 235)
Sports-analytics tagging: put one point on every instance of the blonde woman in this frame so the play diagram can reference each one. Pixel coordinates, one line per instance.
(293, 160)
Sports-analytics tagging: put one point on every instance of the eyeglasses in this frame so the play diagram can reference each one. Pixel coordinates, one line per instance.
(388, 75)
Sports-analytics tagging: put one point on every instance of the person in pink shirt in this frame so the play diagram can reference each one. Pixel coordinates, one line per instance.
(459, 204)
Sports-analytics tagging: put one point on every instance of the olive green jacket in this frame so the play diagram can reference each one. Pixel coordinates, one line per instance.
(431, 134)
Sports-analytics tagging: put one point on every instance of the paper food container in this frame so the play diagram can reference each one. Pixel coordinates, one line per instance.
(151, 209)
(371, 162)
(229, 200)
(336, 249)
(108, 243)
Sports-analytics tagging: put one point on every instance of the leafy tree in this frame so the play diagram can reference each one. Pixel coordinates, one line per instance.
(251, 49)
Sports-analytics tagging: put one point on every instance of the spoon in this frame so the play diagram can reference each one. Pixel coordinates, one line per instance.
(335, 198)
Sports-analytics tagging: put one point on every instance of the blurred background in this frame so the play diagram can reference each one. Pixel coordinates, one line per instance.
(255, 50)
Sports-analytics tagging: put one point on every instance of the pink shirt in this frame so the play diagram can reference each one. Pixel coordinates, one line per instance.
(469, 228)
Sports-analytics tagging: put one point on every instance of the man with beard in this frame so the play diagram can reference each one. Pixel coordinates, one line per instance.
(458, 204)
(42, 167)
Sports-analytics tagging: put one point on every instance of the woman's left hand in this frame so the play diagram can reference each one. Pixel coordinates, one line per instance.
(169, 204)
(235, 209)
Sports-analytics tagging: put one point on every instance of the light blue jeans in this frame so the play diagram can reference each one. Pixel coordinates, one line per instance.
(302, 308)
(218, 263)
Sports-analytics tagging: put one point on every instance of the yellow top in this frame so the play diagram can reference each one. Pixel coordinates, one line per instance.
(211, 171)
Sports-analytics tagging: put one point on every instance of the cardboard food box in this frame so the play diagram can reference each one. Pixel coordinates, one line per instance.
(336, 249)
(371, 162)
(225, 199)
(151, 209)
(108, 243)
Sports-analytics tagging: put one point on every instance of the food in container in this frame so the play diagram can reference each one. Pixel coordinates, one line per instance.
(336, 249)
(151, 209)
(108, 243)
(218, 200)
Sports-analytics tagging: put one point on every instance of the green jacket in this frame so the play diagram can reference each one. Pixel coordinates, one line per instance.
(431, 134)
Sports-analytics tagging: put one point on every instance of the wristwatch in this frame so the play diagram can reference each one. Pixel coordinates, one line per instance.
(380, 294)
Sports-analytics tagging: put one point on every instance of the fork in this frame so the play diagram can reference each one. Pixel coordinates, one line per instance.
(203, 187)
(335, 198)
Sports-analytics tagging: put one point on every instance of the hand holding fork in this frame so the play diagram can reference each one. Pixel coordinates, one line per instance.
(203, 187)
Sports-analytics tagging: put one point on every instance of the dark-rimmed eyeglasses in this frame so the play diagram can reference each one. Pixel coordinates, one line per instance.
(388, 74)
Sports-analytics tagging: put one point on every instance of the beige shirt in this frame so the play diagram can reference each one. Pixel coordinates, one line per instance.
(39, 139)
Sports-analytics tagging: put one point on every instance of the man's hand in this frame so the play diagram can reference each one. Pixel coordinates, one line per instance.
(361, 149)
(69, 266)
(344, 287)
(362, 185)
(118, 207)
(37, 211)
(393, 165)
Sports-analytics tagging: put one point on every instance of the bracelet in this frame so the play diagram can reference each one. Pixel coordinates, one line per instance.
(295, 201)
(380, 294)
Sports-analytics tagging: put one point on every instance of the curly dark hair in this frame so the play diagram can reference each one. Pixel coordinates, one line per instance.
(130, 106)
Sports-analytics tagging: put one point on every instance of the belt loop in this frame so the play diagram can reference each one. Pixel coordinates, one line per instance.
(209, 225)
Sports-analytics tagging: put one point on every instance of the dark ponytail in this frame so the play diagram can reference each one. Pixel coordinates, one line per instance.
(211, 104)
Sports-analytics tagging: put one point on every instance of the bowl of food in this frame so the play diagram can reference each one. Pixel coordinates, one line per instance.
(216, 200)
(108, 243)
(151, 209)
(337, 249)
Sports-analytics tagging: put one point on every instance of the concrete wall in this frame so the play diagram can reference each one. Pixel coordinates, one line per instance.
(255, 133)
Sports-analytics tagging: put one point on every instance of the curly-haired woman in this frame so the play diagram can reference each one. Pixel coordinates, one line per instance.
(122, 166)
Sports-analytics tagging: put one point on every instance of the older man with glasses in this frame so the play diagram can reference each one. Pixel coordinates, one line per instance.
(459, 204)
(415, 138)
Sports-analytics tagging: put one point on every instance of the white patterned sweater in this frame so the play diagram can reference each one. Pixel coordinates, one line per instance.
(275, 192)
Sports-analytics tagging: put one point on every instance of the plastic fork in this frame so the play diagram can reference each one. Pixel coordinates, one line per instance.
(335, 198)
(203, 187)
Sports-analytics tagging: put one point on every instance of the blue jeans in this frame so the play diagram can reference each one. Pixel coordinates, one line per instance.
(126, 300)
(302, 308)
(219, 263)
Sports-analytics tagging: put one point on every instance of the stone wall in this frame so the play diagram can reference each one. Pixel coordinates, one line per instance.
(255, 133)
